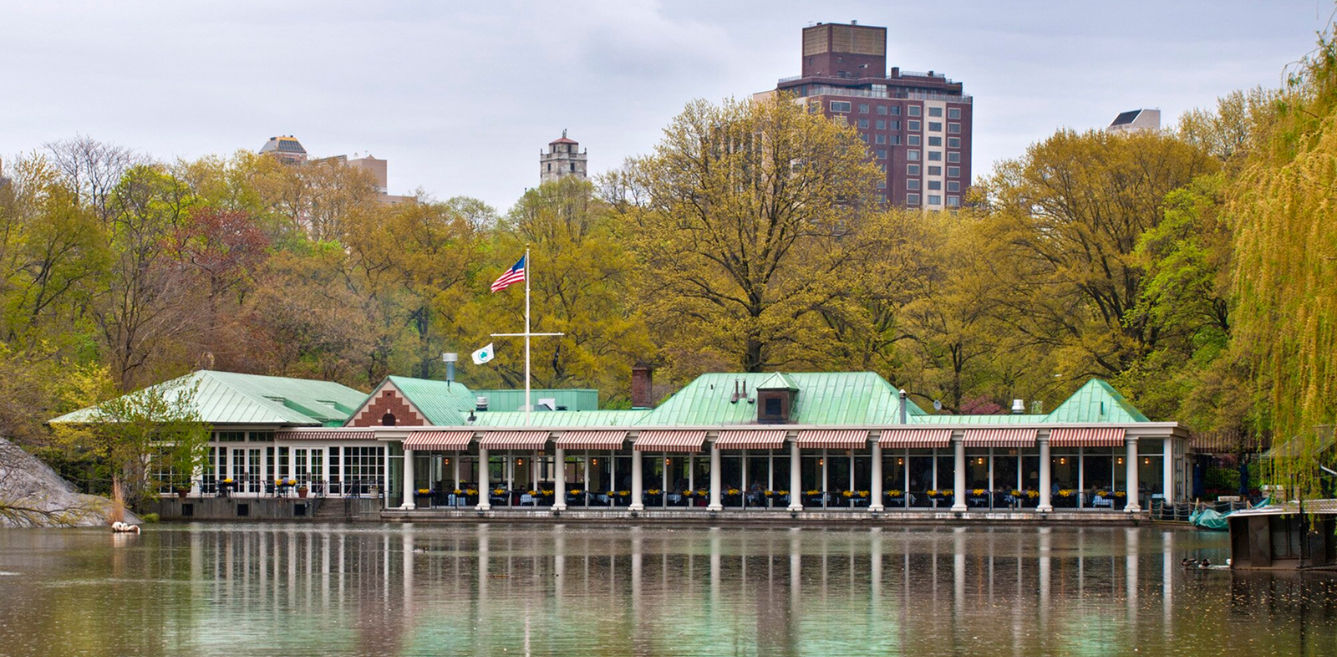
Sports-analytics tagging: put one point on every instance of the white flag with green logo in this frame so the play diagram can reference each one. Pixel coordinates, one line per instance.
(483, 355)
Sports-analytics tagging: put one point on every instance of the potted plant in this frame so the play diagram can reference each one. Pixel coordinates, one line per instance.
(302, 491)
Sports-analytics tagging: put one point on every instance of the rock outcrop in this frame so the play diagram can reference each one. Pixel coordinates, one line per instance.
(33, 495)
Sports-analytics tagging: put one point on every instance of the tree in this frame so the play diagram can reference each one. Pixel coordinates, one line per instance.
(1075, 206)
(741, 237)
(144, 439)
(1281, 206)
(93, 170)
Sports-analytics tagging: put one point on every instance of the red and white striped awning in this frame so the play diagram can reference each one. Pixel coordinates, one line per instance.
(832, 439)
(591, 440)
(324, 435)
(439, 441)
(1088, 437)
(751, 439)
(670, 441)
(529, 441)
(915, 438)
(999, 437)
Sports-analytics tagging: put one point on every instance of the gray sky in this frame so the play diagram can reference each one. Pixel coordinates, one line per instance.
(460, 97)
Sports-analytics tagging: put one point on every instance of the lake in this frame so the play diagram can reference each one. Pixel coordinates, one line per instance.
(291, 590)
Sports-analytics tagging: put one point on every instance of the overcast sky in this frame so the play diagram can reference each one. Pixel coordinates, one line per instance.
(460, 97)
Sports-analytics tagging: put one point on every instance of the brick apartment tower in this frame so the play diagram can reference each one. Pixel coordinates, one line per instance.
(917, 125)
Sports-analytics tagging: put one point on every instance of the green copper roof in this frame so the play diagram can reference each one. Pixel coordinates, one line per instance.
(574, 399)
(1096, 401)
(835, 398)
(559, 418)
(443, 404)
(979, 419)
(232, 398)
(777, 381)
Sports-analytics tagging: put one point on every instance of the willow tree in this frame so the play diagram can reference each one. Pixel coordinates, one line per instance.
(746, 210)
(1286, 268)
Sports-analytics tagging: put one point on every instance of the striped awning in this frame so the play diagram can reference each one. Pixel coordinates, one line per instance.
(915, 438)
(439, 441)
(518, 440)
(832, 439)
(595, 440)
(999, 437)
(1089, 437)
(670, 441)
(751, 439)
(324, 435)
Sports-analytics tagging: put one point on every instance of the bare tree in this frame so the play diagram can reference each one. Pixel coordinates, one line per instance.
(93, 168)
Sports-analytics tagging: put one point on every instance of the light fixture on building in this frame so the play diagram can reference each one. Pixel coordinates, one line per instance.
(668, 461)
(1120, 460)
(594, 461)
(979, 461)
(519, 461)
(821, 462)
(1146, 461)
(900, 461)
(446, 460)
(1063, 461)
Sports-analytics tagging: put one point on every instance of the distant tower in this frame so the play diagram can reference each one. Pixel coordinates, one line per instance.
(1138, 120)
(286, 148)
(564, 158)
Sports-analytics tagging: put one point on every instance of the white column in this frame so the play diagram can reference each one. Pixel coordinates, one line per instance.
(1168, 470)
(795, 484)
(875, 491)
(1132, 503)
(637, 485)
(959, 475)
(714, 480)
(1046, 505)
(483, 486)
(559, 482)
(408, 480)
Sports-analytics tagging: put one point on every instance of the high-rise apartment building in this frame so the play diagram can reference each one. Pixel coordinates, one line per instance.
(563, 158)
(917, 125)
(1138, 120)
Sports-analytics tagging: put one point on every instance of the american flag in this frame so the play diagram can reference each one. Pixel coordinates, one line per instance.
(513, 275)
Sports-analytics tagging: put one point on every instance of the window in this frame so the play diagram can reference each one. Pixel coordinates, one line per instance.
(912, 126)
(934, 199)
(912, 140)
(882, 184)
(863, 124)
(953, 201)
(840, 106)
(953, 186)
(894, 140)
(913, 110)
(935, 111)
(895, 125)
(863, 137)
(882, 154)
(880, 138)
(912, 169)
(953, 142)
(935, 126)
(912, 156)
(935, 156)
(953, 112)
(912, 199)
(953, 172)
(912, 184)
(882, 110)
(954, 128)
(935, 185)
(863, 108)
(895, 110)
(881, 124)
(953, 157)
(935, 141)
(935, 171)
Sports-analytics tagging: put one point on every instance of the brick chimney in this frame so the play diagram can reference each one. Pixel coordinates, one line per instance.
(642, 385)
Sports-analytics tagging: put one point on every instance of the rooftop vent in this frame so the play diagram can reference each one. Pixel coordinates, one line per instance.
(1018, 406)
(480, 404)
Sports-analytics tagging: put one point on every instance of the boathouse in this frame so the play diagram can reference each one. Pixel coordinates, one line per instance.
(790, 444)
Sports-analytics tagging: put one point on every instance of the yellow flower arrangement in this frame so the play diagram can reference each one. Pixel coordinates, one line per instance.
(624, 493)
(424, 491)
(1066, 492)
(228, 480)
(733, 491)
(1119, 493)
(292, 482)
(813, 491)
(978, 492)
(498, 491)
(701, 492)
(863, 493)
(547, 491)
(895, 493)
(847, 493)
(769, 493)
(654, 491)
(278, 482)
(471, 491)
(1015, 493)
(781, 492)
(576, 491)
(935, 493)
(458, 492)
(532, 492)
(1102, 493)
(1032, 494)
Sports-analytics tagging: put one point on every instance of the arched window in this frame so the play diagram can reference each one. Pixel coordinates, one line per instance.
(388, 420)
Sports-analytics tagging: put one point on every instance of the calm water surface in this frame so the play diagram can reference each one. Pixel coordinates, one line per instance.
(302, 589)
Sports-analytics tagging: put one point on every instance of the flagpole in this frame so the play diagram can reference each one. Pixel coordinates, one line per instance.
(528, 274)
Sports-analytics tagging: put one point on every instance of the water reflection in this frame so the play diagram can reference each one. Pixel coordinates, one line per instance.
(339, 590)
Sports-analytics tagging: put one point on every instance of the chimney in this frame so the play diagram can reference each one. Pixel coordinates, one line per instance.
(1018, 406)
(642, 385)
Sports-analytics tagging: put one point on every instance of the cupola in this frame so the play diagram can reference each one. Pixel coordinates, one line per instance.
(776, 396)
